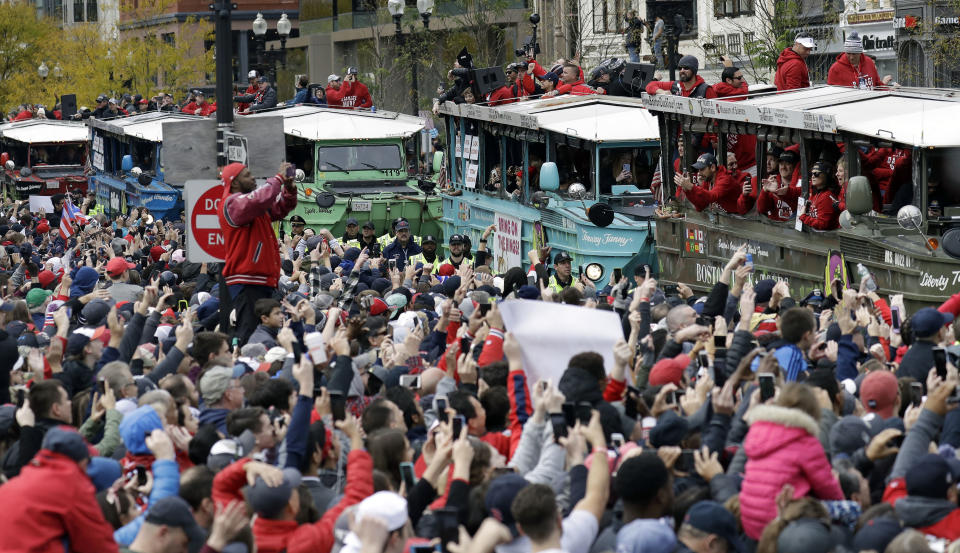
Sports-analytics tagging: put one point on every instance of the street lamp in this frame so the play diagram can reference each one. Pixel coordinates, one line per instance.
(425, 7)
(260, 27)
(43, 70)
(57, 72)
(283, 29)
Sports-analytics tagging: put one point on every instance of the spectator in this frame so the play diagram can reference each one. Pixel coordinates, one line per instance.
(688, 83)
(792, 64)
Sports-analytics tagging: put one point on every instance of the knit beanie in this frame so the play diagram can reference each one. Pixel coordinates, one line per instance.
(853, 44)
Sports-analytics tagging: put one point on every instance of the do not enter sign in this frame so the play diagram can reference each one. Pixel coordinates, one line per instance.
(205, 243)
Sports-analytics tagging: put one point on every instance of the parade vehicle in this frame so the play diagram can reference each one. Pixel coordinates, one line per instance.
(902, 219)
(130, 165)
(354, 164)
(43, 157)
(572, 172)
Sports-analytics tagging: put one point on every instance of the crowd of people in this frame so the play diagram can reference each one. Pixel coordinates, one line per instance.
(322, 393)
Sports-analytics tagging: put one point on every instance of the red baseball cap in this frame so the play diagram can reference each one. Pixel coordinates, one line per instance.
(878, 392)
(117, 265)
(669, 370)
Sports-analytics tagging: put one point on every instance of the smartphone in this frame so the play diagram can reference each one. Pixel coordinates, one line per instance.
(616, 440)
(21, 397)
(485, 308)
(719, 341)
(630, 402)
(338, 406)
(406, 473)
(686, 462)
(141, 476)
(584, 413)
(411, 381)
(749, 262)
(392, 263)
(101, 387)
(617, 274)
(703, 360)
(448, 527)
(440, 406)
(559, 423)
(626, 167)
(423, 548)
(570, 414)
(767, 388)
(459, 421)
(895, 319)
(940, 362)
(916, 393)
(719, 375)
(291, 170)
(670, 290)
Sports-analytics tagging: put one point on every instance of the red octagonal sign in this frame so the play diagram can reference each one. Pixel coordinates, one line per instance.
(205, 229)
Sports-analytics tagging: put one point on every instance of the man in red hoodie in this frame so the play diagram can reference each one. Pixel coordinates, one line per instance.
(853, 68)
(571, 82)
(354, 94)
(274, 497)
(252, 267)
(733, 87)
(792, 64)
(716, 188)
(688, 83)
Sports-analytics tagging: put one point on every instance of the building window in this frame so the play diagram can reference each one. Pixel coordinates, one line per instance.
(732, 8)
(92, 14)
(733, 44)
(721, 44)
(608, 15)
(746, 7)
(169, 38)
(77, 11)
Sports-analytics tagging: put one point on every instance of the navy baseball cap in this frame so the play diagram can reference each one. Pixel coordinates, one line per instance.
(804, 535)
(174, 511)
(712, 518)
(928, 321)
(789, 156)
(269, 502)
(351, 221)
(369, 225)
(877, 534)
(500, 495)
(930, 477)
(704, 160)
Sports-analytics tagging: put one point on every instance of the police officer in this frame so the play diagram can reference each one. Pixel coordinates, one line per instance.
(562, 276)
(368, 240)
(429, 257)
(297, 226)
(403, 247)
(456, 245)
(386, 239)
(351, 238)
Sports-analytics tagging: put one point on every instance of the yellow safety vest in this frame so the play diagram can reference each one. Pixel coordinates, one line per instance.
(420, 258)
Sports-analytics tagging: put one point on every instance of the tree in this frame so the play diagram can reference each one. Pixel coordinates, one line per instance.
(23, 39)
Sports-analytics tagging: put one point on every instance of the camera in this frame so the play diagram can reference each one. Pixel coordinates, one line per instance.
(529, 45)
(461, 73)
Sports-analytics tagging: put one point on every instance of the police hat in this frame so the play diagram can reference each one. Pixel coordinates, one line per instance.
(297, 219)
(351, 221)
(397, 220)
(429, 238)
(562, 257)
(369, 225)
(455, 239)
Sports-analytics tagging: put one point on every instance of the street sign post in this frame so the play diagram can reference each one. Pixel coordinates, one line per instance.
(205, 243)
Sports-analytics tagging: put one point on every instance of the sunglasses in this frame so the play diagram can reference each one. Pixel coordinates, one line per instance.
(816, 173)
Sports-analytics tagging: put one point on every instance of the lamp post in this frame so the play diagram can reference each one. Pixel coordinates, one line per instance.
(259, 35)
(268, 60)
(43, 70)
(57, 72)
(425, 7)
(283, 29)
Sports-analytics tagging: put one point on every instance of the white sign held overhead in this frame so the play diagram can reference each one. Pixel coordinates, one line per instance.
(41, 202)
(573, 330)
(507, 240)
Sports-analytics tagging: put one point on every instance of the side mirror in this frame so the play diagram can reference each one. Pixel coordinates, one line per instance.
(909, 217)
(144, 180)
(136, 171)
(9, 165)
(325, 200)
(437, 161)
(577, 191)
(126, 163)
(859, 196)
(549, 177)
(846, 220)
(25, 171)
(426, 185)
(299, 176)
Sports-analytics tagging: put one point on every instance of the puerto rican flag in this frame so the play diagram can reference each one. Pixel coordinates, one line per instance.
(70, 216)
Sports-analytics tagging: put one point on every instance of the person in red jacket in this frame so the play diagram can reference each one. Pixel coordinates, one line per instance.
(335, 91)
(274, 497)
(733, 87)
(853, 68)
(354, 94)
(51, 506)
(716, 188)
(252, 266)
(792, 64)
(500, 96)
(688, 83)
(820, 212)
(571, 82)
(778, 198)
(252, 89)
(199, 106)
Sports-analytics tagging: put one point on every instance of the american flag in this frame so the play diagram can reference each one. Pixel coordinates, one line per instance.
(70, 216)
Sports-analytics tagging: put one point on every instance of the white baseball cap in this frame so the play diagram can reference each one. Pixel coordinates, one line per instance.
(252, 74)
(806, 41)
(333, 77)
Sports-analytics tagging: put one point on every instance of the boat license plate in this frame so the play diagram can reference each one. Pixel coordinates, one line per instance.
(362, 205)
(53, 184)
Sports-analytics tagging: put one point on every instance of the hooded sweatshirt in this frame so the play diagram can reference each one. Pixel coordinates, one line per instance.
(791, 71)
(937, 517)
(843, 73)
(654, 86)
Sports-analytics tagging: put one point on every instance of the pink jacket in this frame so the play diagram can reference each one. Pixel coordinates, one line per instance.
(782, 448)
